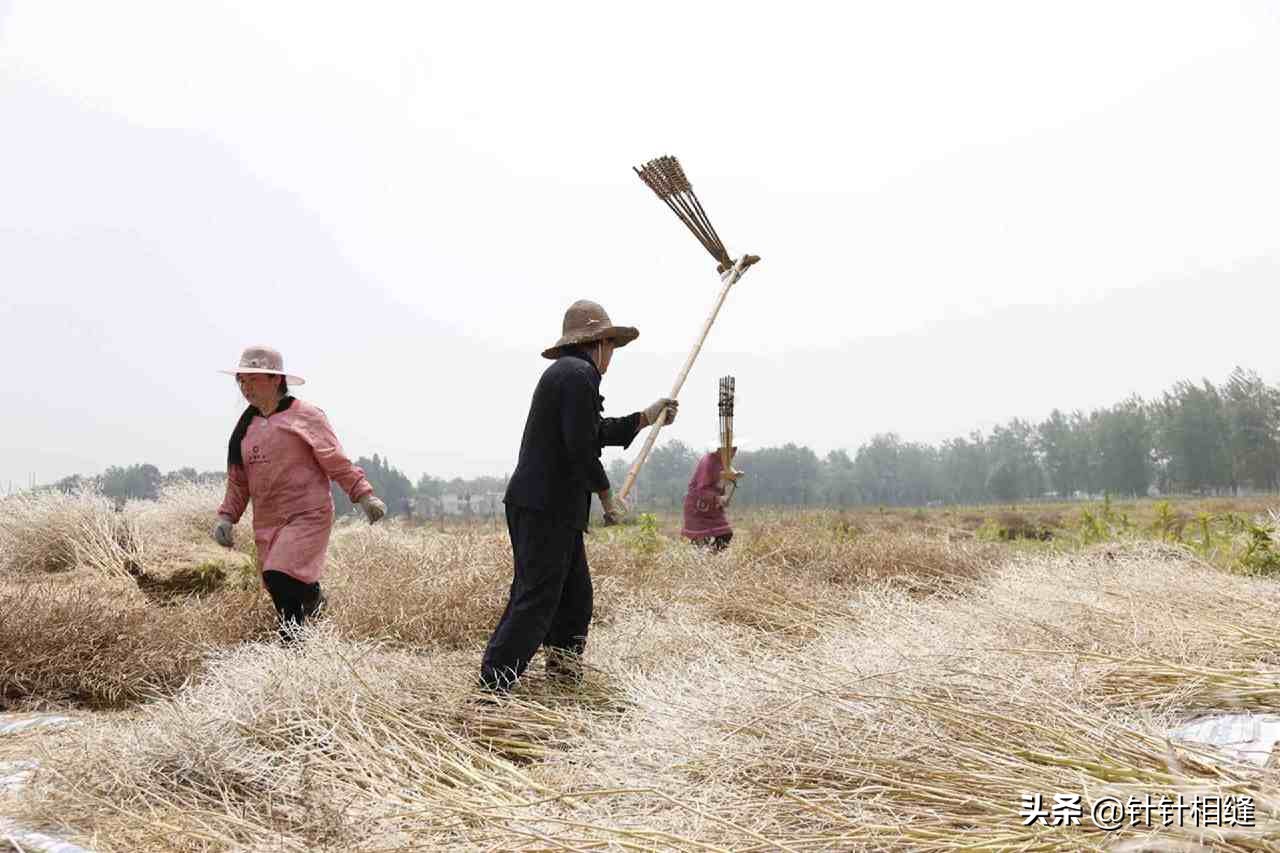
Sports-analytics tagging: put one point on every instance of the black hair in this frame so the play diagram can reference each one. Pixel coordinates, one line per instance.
(234, 456)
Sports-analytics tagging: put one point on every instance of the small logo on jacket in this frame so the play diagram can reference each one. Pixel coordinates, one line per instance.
(256, 456)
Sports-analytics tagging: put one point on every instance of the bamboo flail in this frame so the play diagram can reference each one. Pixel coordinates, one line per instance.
(727, 397)
(666, 177)
(729, 277)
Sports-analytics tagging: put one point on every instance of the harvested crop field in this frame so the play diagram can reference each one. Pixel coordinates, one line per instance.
(829, 683)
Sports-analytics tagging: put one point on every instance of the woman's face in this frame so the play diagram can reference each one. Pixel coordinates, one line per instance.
(258, 388)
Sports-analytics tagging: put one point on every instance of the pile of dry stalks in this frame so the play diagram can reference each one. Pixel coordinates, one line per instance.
(808, 690)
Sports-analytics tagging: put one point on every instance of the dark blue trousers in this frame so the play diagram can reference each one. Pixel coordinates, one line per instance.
(549, 603)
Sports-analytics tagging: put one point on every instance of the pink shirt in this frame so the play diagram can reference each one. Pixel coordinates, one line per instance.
(703, 516)
(289, 459)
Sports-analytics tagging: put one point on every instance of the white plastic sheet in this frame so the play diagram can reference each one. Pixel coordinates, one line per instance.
(1245, 737)
(11, 724)
(37, 842)
(15, 774)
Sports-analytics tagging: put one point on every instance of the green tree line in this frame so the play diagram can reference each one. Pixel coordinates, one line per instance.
(144, 481)
(1194, 438)
(136, 482)
(404, 497)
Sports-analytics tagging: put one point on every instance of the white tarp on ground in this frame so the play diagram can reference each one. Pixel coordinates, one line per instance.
(1245, 737)
(36, 842)
(14, 774)
(11, 724)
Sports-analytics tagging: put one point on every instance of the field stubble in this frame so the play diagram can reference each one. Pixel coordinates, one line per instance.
(823, 685)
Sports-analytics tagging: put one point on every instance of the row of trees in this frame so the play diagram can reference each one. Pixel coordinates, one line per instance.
(144, 482)
(402, 496)
(136, 482)
(1194, 438)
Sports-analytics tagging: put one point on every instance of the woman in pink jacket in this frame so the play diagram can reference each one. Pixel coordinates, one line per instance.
(705, 522)
(282, 455)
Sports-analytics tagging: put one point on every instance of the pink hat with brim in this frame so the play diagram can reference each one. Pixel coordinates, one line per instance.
(264, 360)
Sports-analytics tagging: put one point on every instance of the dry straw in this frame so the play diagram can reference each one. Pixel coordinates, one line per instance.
(811, 689)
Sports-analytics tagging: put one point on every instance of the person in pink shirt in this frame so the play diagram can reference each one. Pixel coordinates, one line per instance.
(282, 455)
(705, 522)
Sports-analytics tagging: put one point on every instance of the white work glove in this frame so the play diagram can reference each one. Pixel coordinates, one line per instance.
(222, 532)
(651, 414)
(374, 509)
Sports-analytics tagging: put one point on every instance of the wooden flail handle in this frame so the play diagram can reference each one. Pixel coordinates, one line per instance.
(728, 473)
(729, 277)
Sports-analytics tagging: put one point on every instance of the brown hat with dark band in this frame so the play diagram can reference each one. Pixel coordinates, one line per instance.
(586, 322)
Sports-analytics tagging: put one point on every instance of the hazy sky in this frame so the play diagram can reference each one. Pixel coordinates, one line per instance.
(967, 212)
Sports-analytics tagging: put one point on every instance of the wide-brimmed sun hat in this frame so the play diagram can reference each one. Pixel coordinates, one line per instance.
(586, 322)
(264, 360)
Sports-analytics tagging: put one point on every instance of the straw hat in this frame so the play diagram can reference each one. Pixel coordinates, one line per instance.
(264, 360)
(586, 322)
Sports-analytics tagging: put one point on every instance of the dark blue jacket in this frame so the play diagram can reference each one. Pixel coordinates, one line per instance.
(559, 464)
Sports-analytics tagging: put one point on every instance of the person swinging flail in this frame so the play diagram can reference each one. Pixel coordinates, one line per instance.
(548, 501)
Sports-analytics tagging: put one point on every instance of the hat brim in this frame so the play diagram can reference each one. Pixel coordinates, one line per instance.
(620, 335)
(288, 377)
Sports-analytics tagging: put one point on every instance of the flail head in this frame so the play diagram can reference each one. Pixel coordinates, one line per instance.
(726, 396)
(674, 174)
(665, 176)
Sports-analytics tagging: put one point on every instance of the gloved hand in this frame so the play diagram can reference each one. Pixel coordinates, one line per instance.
(222, 532)
(651, 414)
(614, 509)
(374, 509)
